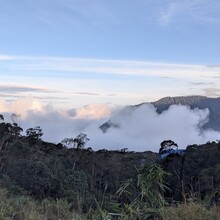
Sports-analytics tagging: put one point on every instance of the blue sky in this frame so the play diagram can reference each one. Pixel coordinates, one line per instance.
(78, 52)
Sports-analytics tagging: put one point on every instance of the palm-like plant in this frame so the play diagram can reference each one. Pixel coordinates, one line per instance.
(149, 192)
(152, 185)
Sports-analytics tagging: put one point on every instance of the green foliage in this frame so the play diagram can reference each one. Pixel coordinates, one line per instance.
(34, 133)
(149, 192)
(80, 140)
(25, 208)
(46, 176)
(151, 180)
(191, 210)
(12, 187)
(1, 117)
(167, 145)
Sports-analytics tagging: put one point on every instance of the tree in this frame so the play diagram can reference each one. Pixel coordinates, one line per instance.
(34, 133)
(16, 131)
(167, 145)
(9, 133)
(1, 117)
(68, 142)
(80, 141)
(5, 135)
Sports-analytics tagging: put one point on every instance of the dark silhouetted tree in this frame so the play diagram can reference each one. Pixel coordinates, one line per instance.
(167, 145)
(80, 141)
(34, 133)
(1, 117)
(15, 131)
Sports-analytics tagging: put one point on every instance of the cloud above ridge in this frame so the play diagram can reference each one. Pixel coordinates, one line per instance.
(139, 129)
(142, 128)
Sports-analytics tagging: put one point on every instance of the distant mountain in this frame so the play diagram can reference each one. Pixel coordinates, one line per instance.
(201, 102)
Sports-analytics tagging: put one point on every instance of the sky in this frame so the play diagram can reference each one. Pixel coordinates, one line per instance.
(83, 54)
(78, 52)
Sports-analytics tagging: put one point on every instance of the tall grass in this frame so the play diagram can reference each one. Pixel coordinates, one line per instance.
(191, 211)
(26, 208)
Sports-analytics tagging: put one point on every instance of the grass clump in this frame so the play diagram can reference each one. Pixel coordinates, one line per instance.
(26, 208)
(192, 211)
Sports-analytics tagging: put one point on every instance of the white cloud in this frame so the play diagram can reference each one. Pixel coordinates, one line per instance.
(80, 81)
(108, 67)
(212, 91)
(202, 11)
(56, 124)
(143, 129)
(166, 16)
(140, 129)
(5, 57)
(93, 111)
(20, 106)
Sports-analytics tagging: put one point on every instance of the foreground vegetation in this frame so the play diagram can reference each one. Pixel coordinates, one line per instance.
(28, 208)
(40, 180)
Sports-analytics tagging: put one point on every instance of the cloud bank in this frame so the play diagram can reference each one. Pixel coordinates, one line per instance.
(142, 128)
(139, 129)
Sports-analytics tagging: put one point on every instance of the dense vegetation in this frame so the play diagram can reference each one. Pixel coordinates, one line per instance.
(51, 181)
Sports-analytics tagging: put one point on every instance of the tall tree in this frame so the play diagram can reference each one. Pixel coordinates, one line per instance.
(167, 145)
(80, 140)
(1, 117)
(34, 133)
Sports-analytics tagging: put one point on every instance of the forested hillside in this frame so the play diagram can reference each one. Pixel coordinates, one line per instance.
(93, 180)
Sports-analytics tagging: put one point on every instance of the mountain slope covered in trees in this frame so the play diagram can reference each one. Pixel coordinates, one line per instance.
(103, 181)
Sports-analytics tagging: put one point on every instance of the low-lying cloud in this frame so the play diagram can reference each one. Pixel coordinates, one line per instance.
(138, 128)
(142, 128)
